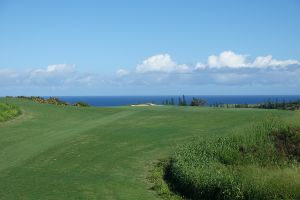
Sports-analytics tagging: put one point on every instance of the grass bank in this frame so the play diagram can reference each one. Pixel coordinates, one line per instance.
(262, 162)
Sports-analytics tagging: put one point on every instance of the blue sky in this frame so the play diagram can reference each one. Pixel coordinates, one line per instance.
(135, 47)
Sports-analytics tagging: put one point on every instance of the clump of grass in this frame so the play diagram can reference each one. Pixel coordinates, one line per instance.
(8, 111)
(262, 163)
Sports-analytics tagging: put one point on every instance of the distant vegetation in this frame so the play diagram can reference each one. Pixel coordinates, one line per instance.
(183, 102)
(293, 105)
(270, 104)
(81, 104)
(198, 102)
(8, 111)
(262, 163)
(53, 100)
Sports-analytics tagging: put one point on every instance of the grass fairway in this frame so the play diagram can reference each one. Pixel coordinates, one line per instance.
(56, 152)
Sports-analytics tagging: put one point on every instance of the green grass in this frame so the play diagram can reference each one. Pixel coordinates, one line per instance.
(61, 152)
(8, 111)
(258, 163)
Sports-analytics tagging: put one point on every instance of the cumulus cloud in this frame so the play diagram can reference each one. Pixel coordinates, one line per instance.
(58, 75)
(227, 68)
(268, 61)
(60, 68)
(161, 63)
(121, 72)
(227, 59)
(200, 66)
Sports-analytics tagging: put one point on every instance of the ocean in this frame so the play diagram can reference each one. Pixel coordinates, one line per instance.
(211, 99)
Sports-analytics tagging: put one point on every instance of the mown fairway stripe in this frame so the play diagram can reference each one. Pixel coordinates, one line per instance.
(21, 151)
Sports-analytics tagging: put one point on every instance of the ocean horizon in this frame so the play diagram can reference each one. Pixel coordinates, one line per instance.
(158, 99)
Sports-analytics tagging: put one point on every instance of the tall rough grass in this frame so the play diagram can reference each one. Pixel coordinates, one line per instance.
(261, 163)
(8, 111)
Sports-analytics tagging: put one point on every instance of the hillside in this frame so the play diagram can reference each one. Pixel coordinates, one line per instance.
(64, 152)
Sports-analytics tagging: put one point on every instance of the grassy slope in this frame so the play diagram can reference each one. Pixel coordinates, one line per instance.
(55, 152)
(251, 166)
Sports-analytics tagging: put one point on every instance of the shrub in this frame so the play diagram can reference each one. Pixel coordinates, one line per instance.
(81, 104)
(198, 102)
(261, 164)
(8, 111)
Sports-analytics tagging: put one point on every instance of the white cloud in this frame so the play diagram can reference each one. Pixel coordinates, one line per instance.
(161, 63)
(268, 61)
(200, 66)
(59, 75)
(60, 68)
(228, 68)
(227, 59)
(121, 72)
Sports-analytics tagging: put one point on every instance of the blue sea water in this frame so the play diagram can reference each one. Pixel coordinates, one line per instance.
(211, 99)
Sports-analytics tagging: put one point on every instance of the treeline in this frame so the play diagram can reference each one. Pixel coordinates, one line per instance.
(293, 105)
(270, 104)
(183, 102)
(222, 105)
(53, 100)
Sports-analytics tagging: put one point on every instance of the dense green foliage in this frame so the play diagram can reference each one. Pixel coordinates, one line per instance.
(62, 152)
(183, 102)
(81, 104)
(198, 102)
(292, 105)
(8, 111)
(270, 104)
(156, 177)
(261, 163)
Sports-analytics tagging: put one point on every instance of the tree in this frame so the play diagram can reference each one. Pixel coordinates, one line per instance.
(284, 104)
(197, 102)
(179, 101)
(183, 102)
(81, 104)
(172, 101)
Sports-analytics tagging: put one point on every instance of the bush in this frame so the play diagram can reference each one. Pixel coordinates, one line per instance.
(81, 104)
(261, 164)
(8, 111)
(198, 102)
